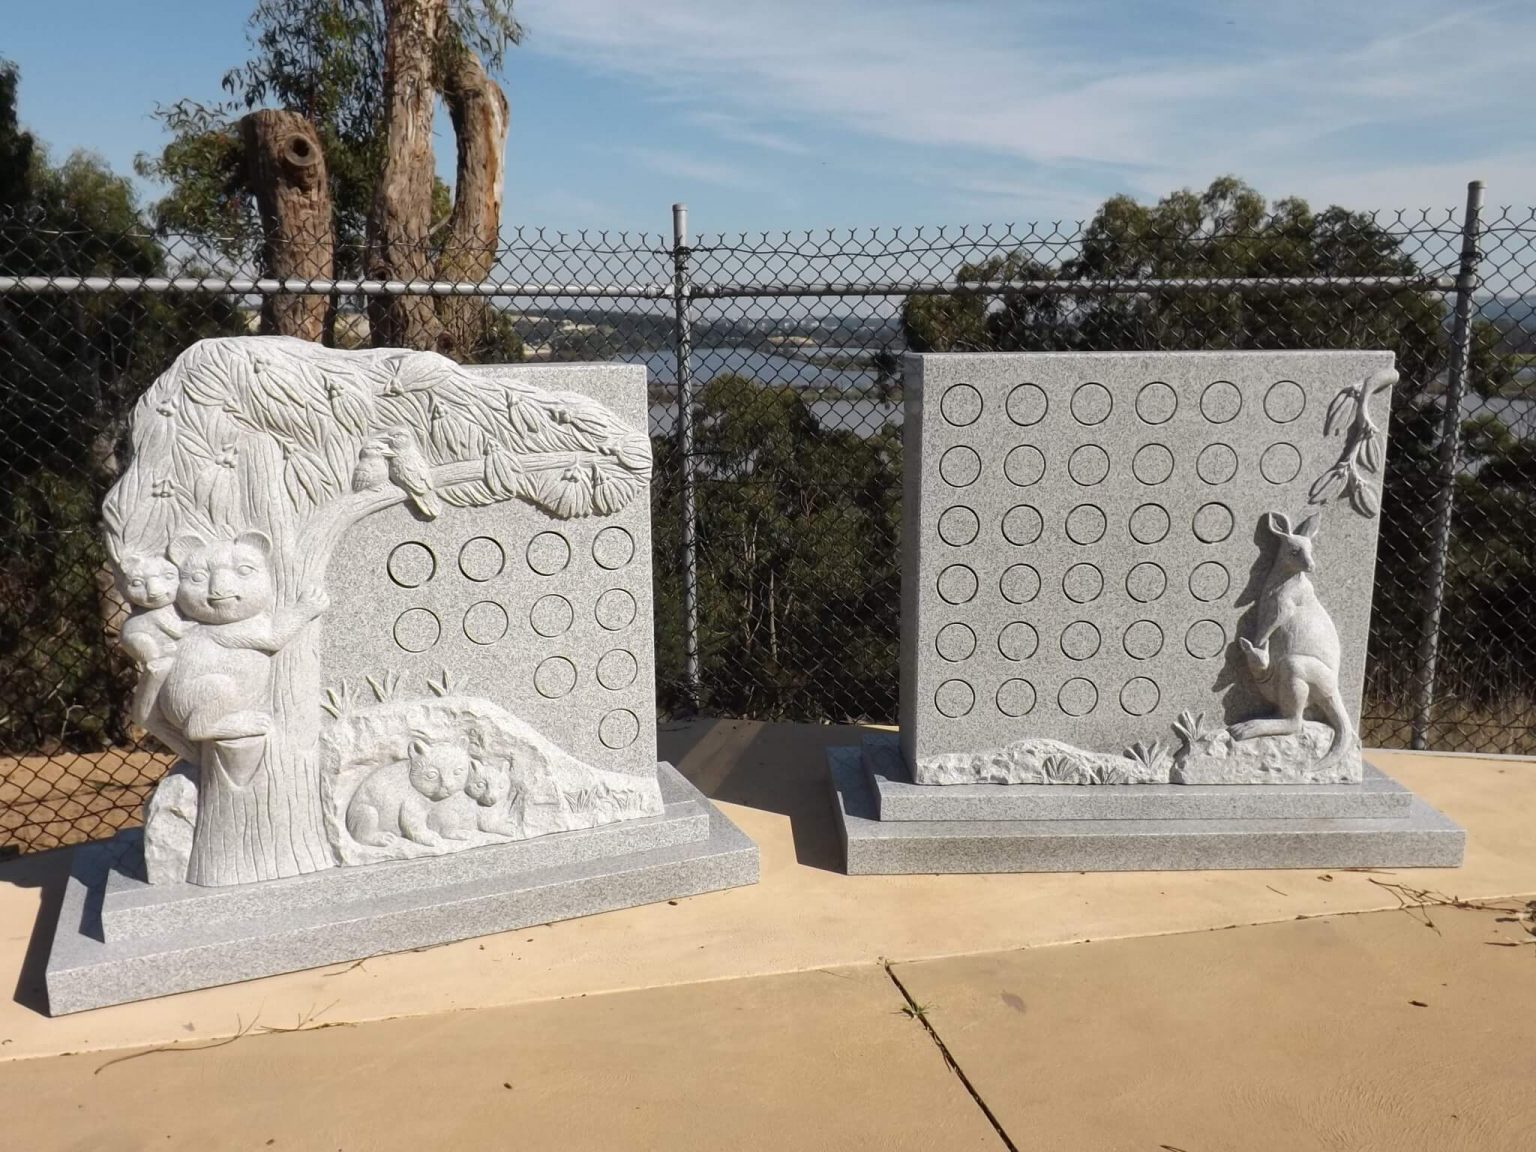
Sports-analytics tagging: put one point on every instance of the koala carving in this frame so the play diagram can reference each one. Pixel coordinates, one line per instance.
(150, 635)
(220, 685)
(421, 798)
(490, 786)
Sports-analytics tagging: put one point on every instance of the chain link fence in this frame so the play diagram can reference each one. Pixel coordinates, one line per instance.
(775, 363)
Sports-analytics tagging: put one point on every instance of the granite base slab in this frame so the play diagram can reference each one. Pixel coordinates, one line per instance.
(1378, 796)
(577, 874)
(1422, 838)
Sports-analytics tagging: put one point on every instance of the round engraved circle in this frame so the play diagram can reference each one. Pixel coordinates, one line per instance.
(1082, 583)
(959, 466)
(548, 553)
(1142, 640)
(1146, 582)
(1088, 465)
(1019, 584)
(1018, 641)
(1149, 524)
(1026, 405)
(617, 669)
(961, 405)
(955, 642)
(1284, 401)
(1209, 581)
(551, 615)
(1280, 463)
(1085, 524)
(1212, 523)
(1077, 697)
(613, 547)
(615, 609)
(1139, 696)
(1024, 465)
(958, 526)
(1216, 464)
(618, 729)
(1091, 403)
(554, 677)
(1080, 640)
(1022, 525)
(1152, 464)
(1015, 697)
(411, 565)
(957, 584)
(954, 698)
(1156, 403)
(481, 559)
(485, 622)
(1205, 639)
(416, 629)
(1221, 402)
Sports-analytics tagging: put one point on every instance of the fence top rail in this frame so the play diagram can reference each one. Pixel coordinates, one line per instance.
(264, 286)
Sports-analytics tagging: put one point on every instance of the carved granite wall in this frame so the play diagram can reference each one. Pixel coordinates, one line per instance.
(1088, 537)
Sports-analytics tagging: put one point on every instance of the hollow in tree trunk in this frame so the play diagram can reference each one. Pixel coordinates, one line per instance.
(285, 168)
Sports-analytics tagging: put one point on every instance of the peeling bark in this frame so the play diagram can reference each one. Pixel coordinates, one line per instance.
(285, 168)
(399, 245)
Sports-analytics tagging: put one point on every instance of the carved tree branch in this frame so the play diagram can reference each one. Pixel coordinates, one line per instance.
(285, 168)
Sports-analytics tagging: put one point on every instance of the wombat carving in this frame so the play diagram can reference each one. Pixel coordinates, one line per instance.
(420, 798)
(1294, 656)
(220, 686)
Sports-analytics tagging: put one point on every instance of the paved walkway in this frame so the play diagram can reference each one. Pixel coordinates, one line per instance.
(819, 1011)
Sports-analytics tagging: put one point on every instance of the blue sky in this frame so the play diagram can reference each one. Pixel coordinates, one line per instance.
(812, 113)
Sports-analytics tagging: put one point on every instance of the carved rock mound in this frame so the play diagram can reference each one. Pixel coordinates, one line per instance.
(405, 779)
(1300, 759)
(170, 814)
(1036, 760)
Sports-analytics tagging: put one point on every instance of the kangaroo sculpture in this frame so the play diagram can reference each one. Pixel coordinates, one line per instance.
(1294, 655)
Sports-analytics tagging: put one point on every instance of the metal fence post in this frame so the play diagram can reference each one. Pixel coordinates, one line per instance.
(1458, 368)
(683, 337)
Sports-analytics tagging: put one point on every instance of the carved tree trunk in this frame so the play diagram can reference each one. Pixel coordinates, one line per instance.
(400, 241)
(479, 112)
(285, 167)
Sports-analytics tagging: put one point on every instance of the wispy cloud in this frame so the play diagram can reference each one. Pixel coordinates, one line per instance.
(681, 166)
(1124, 96)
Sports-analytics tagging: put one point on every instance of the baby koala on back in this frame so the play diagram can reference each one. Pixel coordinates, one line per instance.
(420, 798)
(149, 636)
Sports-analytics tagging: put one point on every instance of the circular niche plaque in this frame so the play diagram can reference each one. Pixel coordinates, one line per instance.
(1156, 403)
(1026, 405)
(1212, 523)
(958, 526)
(1146, 582)
(1015, 697)
(954, 698)
(1091, 403)
(548, 553)
(551, 615)
(1205, 639)
(955, 642)
(1216, 464)
(481, 559)
(485, 622)
(1077, 697)
(1139, 696)
(1024, 465)
(1149, 524)
(1221, 402)
(617, 669)
(1152, 464)
(1086, 524)
(1088, 465)
(960, 405)
(1022, 525)
(1280, 463)
(554, 677)
(1019, 584)
(1209, 581)
(957, 584)
(1079, 640)
(1018, 641)
(615, 609)
(618, 729)
(417, 629)
(1143, 640)
(959, 467)
(1082, 583)
(411, 564)
(613, 547)
(1284, 401)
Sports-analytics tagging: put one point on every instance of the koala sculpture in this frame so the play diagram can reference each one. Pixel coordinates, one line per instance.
(150, 635)
(421, 798)
(219, 686)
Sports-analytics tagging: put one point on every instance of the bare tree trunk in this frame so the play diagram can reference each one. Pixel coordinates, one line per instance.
(468, 250)
(285, 168)
(399, 233)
